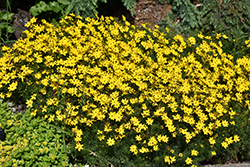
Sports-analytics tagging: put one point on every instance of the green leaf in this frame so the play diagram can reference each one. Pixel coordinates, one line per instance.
(55, 6)
(6, 15)
(3, 25)
(38, 8)
(10, 29)
(65, 2)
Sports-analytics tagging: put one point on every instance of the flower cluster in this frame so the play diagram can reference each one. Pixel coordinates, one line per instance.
(125, 81)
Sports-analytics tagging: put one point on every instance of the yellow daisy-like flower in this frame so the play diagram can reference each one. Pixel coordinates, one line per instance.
(29, 103)
(188, 160)
(224, 144)
(13, 86)
(236, 138)
(110, 142)
(79, 146)
(133, 149)
(194, 152)
(149, 121)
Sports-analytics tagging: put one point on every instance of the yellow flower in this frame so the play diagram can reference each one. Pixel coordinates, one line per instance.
(13, 86)
(169, 159)
(232, 122)
(79, 146)
(188, 160)
(167, 29)
(225, 123)
(152, 141)
(224, 144)
(102, 137)
(29, 103)
(211, 140)
(155, 147)
(133, 149)
(78, 138)
(138, 138)
(218, 36)
(33, 113)
(213, 152)
(51, 118)
(229, 140)
(40, 150)
(9, 122)
(224, 36)
(52, 156)
(110, 142)
(194, 152)
(192, 40)
(149, 121)
(236, 138)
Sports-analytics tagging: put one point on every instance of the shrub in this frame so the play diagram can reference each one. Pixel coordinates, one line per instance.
(30, 141)
(230, 17)
(131, 97)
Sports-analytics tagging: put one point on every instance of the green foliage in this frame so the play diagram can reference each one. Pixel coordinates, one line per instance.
(187, 12)
(43, 7)
(5, 26)
(30, 141)
(129, 4)
(83, 8)
(231, 17)
(175, 28)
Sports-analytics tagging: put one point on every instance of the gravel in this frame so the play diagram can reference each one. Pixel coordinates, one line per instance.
(243, 164)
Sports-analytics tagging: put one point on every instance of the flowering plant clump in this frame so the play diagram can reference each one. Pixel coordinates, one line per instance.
(131, 96)
(30, 141)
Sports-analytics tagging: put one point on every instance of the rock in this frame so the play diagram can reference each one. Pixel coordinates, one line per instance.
(20, 19)
(10, 104)
(20, 108)
(150, 11)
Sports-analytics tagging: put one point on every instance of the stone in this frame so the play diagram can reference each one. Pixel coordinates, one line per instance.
(150, 11)
(20, 19)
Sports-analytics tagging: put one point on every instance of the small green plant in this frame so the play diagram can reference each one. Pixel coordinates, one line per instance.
(5, 26)
(54, 8)
(30, 141)
(6, 29)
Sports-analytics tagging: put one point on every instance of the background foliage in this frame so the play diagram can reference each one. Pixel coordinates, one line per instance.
(228, 16)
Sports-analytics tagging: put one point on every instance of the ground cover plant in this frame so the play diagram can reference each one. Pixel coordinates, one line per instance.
(26, 143)
(130, 96)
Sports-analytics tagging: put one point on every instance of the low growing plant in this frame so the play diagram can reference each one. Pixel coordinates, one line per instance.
(30, 141)
(131, 97)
